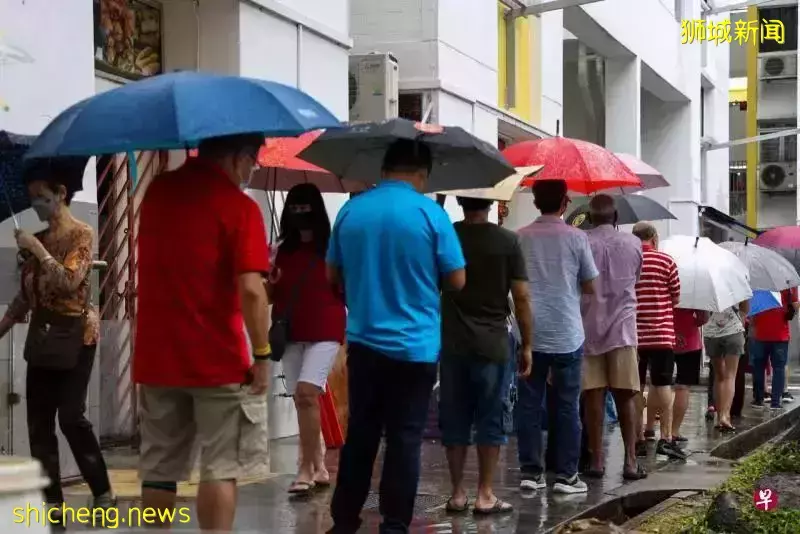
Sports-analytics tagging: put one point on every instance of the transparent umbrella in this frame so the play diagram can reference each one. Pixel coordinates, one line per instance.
(768, 270)
(712, 278)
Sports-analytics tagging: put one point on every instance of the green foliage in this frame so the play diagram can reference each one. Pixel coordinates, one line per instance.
(764, 462)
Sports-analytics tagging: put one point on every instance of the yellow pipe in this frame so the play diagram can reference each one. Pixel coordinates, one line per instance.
(752, 124)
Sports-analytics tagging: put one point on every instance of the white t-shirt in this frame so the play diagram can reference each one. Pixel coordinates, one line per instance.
(724, 323)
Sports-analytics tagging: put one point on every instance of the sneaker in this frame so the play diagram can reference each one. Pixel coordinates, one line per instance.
(570, 485)
(650, 435)
(55, 519)
(670, 449)
(757, 405)
(104, 501)
(787, 397)
(531, 482)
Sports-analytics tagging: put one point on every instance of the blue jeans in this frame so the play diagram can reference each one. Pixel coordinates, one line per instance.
(778, 354)
(530, 413)
(473, 394)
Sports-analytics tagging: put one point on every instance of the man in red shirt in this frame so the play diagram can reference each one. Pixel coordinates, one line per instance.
(770, 342)
(657, 293)
(202, 255)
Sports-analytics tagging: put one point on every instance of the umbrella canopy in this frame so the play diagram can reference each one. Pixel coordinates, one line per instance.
(650, 177)
(785, 240)
(281, 169)
(503, 191)
(585, 167)
(460, 160)
(712, 278)
(764, 301)
(15, 173)
(768, 270)
(630, 209)
(176, 111)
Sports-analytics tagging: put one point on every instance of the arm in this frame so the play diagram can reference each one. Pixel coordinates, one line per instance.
(744, 309)
(793, 299)
(587, 271)
(333, 259)
(449, 256)
(701, 317)
(674, 284)
(520, 294)
(67, 277)
(252, 263)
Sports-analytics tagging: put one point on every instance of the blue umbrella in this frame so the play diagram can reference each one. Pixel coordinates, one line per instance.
(14, 172)
(178, 110)
(764, 301)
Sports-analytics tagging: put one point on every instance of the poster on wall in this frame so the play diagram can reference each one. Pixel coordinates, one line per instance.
(127, 38)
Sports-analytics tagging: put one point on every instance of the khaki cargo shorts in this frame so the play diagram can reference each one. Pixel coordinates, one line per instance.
(616, 369)
(226, 425)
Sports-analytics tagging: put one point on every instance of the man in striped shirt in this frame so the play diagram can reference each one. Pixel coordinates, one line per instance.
(657, 293)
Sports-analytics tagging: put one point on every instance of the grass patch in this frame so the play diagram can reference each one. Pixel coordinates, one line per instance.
(690, 518)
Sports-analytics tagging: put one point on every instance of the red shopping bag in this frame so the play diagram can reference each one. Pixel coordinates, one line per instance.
(331, 429)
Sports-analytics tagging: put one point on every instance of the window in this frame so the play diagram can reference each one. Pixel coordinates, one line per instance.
(787, 15)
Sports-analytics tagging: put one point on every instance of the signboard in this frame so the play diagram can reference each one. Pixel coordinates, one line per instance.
(127, 38)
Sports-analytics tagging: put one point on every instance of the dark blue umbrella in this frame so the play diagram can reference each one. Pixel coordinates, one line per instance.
(178, 110)
(15, 173)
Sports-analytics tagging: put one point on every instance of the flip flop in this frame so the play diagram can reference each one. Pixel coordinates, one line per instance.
(499, 507)
(639, 474)
(452, 508)
(322, 483)
(301, 488)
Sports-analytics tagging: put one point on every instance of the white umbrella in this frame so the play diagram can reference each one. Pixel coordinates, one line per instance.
(712, 278)
(768, 270)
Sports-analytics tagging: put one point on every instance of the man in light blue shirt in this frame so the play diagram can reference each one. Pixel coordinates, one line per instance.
(560, 269)
(391, 251)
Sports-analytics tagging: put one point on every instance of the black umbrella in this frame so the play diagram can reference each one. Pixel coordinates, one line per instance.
(630, 209)
(16, 173)
(460, 160)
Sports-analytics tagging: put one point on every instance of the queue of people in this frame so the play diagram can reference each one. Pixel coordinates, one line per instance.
(415, 297)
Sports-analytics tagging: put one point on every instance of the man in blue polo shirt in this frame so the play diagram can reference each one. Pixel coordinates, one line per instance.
(392, 251)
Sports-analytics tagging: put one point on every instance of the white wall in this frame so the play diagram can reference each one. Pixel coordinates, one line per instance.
(551, 32)
(777, 99)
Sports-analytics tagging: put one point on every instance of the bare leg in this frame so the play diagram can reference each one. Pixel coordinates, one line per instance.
(679, 407)
(306, 400)
(216, 505)
(160, 500)
(321, 474)
(641, 406)
(456, 458)
(628, 419)
(653, 407)
(594, 404)
(487, 465)
(726, 377)
(664, 407)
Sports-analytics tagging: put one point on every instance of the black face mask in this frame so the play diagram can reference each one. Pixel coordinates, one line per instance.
(303, 221)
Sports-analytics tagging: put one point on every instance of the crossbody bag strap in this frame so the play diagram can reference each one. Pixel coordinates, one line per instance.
(295, 294)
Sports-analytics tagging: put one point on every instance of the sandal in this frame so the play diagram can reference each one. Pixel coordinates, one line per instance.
(453, 508)
(499, 507)
(725, 429)
(639, 474)
(301, 488)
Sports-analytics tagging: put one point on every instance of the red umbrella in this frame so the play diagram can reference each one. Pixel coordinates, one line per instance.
(585, 167)
(281, 169)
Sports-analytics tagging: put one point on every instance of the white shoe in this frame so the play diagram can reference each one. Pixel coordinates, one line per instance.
(571, 486)
(532, 482)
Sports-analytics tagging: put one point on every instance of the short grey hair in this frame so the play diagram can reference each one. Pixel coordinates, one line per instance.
(645, 231)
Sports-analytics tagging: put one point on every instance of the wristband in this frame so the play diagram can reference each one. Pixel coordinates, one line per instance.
(260, 358)
(265, 351)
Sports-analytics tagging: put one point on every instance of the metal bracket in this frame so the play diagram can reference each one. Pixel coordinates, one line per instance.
(705, 145)
(541, 6)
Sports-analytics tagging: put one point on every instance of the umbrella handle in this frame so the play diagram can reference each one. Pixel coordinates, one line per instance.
(696, 241)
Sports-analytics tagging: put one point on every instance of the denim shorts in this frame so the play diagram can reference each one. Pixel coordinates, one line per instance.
(474, 397)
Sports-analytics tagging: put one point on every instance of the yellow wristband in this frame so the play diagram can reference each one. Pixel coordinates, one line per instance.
(263, 351)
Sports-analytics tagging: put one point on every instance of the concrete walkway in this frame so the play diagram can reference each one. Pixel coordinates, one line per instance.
(265, 507)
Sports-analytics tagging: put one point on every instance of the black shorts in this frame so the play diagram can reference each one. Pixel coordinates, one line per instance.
(688, 365)
(661, 363)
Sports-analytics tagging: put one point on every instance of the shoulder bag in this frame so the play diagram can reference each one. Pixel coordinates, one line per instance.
(279, 331)
(54, 340)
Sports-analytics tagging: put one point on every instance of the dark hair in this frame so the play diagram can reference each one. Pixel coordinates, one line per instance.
(474, 204)
(53, 186)
(215, 147)
(56, 172)
(405, 155)
(305, 193)
(602, 210)
(548, 195)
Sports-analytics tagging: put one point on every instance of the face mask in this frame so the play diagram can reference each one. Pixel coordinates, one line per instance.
(45, 208)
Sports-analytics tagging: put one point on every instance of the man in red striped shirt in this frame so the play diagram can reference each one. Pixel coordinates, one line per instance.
(657, 293)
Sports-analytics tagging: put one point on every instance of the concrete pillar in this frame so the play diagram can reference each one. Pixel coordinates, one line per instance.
(623, 96)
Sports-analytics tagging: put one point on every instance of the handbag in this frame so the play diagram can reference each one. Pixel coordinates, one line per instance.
(54, 340)
(279, 331)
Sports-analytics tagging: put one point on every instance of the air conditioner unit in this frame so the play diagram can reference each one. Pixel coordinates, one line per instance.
(777, 65)
(373, 87)
(777, 177)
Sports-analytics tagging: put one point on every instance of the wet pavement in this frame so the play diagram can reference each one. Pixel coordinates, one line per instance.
(265, 507)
